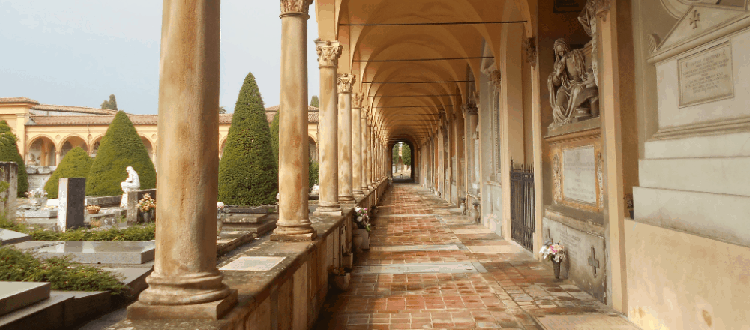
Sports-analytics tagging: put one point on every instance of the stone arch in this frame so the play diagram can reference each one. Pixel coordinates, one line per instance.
(71, 141)
(41, 151)
(222, 144)
(95, 142)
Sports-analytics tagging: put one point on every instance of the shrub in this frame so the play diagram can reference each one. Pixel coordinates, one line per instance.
(9, 153)
(314, 171)
(247, 172)
(120, 147)
(61, 273)
(75, 164)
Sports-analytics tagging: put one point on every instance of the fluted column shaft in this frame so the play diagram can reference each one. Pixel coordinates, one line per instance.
(345, 81)
(328, 54)
(294, 221)
(370, 179)
(185, 270)
(357, 145)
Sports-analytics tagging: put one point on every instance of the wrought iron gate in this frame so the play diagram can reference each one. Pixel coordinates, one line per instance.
(522, 205)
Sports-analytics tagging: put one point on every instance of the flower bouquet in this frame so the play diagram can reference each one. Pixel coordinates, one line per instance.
(147, 206)
(555, 253)
(93, 209)
(363, 218)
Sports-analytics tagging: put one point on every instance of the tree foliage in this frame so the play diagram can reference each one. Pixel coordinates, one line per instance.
(248, 173)
(222, 110)
(315, 102)
(314, 171)
(111, 104)
(406, 155)
(75, 164)
(9, 153)
(119, 148)
(275, 138)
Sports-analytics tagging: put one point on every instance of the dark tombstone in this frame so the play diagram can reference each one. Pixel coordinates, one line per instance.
(71, 194)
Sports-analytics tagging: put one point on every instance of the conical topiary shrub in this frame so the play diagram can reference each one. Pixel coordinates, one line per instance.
(247, 171)
(120, 147)
(75, 164)
(9, 153)
(275, 138)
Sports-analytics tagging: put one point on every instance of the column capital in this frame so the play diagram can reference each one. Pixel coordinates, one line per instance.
(345, 82)
(329, 52)
(295, 7)
(470, 109)
(496, 77)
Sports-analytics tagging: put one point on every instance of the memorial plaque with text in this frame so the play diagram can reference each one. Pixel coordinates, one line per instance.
(579, 174)
(706, 76)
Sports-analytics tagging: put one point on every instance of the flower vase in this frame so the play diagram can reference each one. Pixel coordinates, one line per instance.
(365, 239)
(147, 216)
(357, 241)
(556, 268)
(341, 281)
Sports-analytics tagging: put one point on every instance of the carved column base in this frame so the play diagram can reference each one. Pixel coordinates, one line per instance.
(296, 230)
(328, 210)
(198, 296)
(346, 199)
(211, 310)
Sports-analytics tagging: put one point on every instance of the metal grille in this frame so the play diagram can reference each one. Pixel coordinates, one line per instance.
(522, 205)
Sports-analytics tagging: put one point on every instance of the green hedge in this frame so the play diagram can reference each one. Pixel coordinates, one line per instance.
(275, 138)
(132, 233)
(248, 173)
(314, 172)
(75, 164)
(120, 147)
(61, 273)
(9, 153)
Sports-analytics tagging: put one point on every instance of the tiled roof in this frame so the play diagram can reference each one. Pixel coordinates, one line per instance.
(312, 113)
(105, 120)
(17, 100)
(65, 108)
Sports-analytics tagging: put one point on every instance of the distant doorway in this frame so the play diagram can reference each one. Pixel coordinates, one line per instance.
(401, 162)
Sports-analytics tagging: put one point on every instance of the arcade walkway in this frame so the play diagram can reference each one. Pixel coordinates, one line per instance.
(431, 268)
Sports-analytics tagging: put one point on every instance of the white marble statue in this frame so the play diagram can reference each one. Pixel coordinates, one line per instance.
(133, 182)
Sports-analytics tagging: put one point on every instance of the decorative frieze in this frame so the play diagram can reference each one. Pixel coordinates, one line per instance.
(329, 52)
(345, 81)
(295, 7)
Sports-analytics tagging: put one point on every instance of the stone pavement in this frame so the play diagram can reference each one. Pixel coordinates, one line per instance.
(431, 268)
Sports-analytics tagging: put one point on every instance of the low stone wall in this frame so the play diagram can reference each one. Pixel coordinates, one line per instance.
(291, 294)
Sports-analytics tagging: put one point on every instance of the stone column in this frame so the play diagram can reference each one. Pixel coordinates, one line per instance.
(294, 221)
(328, 54)
(357, 145)
(368, 155)
(363, 147)
(58, 157)
(345, 82)
(472, 119)
(185, 283)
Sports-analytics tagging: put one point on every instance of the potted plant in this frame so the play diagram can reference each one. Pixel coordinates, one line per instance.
(555, 253)
(361, 236)
(93, 209)
(147, 207)
(341, 278)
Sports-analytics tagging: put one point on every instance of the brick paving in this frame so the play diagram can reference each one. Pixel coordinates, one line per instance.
(506, 289)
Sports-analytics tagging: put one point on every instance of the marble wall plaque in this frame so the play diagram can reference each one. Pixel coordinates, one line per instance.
(579, 174)
(706, 76)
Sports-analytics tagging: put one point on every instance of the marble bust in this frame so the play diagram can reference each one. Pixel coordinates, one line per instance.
(133, 182)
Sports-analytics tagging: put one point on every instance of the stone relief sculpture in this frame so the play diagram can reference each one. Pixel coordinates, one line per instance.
(133, 182)
(574, 95)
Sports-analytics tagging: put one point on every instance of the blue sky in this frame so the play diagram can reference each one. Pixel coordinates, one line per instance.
(78, 52)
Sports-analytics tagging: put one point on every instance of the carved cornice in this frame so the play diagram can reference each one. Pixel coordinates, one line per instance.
(601, 8)
(529, 47)
(345, 82)
(329, 52)
(295, 7)
(497, 78)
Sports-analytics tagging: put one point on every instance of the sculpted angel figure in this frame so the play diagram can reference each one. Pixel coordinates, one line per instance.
(572, 87)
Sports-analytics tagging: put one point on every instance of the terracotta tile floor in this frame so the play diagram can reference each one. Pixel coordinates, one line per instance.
(506, 289)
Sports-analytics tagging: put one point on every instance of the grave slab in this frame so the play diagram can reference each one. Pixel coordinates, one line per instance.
(12, 237)
(17, 295)
(132, 253)
(253, 264)
(585, 322)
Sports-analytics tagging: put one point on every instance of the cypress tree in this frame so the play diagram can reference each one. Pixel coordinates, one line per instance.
(75, 164)
(275, 138)
(248, 173)
(120, 147)
(315, 102)
(406, 155)
(9, 153)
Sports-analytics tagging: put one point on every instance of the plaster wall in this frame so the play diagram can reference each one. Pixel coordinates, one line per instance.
(682, 281)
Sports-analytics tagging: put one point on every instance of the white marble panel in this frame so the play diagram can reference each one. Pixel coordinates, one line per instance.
(579, 174)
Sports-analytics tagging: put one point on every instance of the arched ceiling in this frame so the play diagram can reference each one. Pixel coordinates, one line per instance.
(413, 76)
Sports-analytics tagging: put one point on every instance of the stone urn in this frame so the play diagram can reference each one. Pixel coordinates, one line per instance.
(148, 216)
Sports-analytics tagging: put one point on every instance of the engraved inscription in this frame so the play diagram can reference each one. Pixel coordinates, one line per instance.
(706, 76)
(579, 174)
